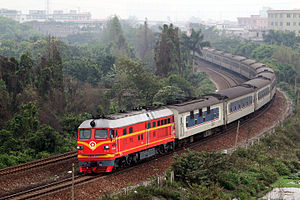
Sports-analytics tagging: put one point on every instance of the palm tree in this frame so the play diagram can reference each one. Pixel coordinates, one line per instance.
(194, 43)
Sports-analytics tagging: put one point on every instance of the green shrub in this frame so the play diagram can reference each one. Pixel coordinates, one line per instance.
(281, 168)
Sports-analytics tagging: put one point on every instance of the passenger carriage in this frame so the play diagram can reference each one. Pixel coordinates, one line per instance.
(240, 102)
(246, 70)
(262, 94)
(198, 116)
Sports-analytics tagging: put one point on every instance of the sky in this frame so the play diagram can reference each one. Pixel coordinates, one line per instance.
(176, 10)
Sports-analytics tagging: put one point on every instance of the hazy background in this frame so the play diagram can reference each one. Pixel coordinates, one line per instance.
(156, 9)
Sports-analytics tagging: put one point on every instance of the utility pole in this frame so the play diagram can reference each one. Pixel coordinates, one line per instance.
(237, 134)
(73, 196)
(295, 85)
(47, 9)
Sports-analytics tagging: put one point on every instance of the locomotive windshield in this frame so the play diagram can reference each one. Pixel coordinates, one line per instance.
(85, 134)
(100, 134)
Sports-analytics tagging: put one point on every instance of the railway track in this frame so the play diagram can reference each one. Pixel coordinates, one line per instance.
(38, 163)
(230, 82)
(226, 78)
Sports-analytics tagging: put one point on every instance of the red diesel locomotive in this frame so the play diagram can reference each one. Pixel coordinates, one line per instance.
(124, 138)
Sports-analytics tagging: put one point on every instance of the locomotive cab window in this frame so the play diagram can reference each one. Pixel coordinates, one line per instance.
(85, 134)
(100, 134)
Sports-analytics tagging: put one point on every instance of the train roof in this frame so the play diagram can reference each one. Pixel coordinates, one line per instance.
(249, 61)
(228, 55)
(264, 69)
(238, 58)
(257, 65)
(258, 82)
(236, 91)
(209, 49)
(204, 101)
(127, 119)
(219, 52)
(266, 74)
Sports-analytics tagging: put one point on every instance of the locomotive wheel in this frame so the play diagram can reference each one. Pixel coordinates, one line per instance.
(129, 160)
(161, 149)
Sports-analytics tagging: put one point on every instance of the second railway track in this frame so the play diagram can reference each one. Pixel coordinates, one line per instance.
(38, 163)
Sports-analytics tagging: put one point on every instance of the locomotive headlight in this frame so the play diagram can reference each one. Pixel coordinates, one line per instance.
(79, 147)
(106, 147)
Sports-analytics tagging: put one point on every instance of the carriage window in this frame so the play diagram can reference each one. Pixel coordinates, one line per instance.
(162, 122)
(200, 112)
(142, 136)
(192, 114)
(85, 134)
(130, 130)
(139, 137)
(149, 124)
(208, 110)
(124, 131)
(116, 133)
(186, 122)
(169, 120)
(165, 121)
(153, 124)
(158, 123)
(100, 134)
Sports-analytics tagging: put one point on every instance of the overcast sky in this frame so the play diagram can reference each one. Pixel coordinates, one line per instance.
(156, 9)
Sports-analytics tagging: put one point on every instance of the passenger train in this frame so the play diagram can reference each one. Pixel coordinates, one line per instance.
(121, 139)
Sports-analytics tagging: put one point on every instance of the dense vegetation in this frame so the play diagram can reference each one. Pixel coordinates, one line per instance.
(245, 174)
(49, 86)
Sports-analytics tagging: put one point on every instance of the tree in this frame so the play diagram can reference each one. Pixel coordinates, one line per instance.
(194, 43)
(168, 94)
(115, 36)
(287, 38)
(167, 52)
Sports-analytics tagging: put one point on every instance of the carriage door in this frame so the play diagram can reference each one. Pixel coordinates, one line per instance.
(148, 127)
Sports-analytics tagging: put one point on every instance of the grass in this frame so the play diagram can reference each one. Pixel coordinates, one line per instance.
(288, 181)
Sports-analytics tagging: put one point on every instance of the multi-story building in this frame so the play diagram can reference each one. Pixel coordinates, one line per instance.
(284, 20)
(13, 14)
(254, 22)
